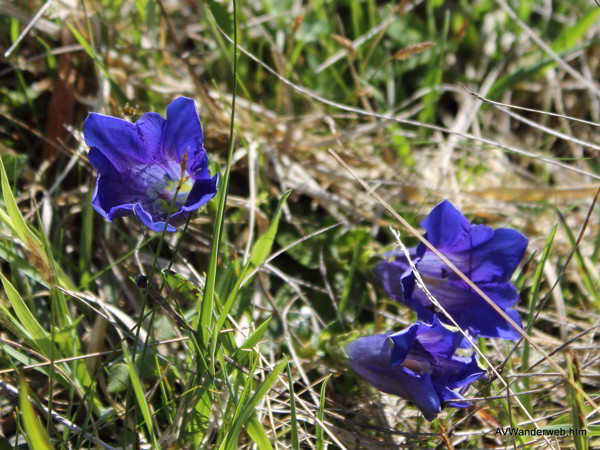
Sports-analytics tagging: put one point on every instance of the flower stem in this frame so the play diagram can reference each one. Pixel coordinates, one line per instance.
(204, 325)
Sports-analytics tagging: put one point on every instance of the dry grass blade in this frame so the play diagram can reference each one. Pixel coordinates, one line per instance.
(411, 50)
(346, 43)
(522, 108)
(28, 28)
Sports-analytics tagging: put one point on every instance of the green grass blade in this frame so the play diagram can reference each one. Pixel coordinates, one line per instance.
(586, 275)
(533, 297)
(5, 218)
(295, 441)
(263, 246)
(205, 309)
(234, 425)
(577, 404)
(348, 282)
(258, 434)
(321, 415)
(87, 233)
(36, 434)
(17, 220)
(139, 393)
(241, 355)
(98, 61)
(260, 252)
(248, 411)
(40, 337)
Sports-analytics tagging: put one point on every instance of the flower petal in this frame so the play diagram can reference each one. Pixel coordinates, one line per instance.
(437, 339)
(106, 200)
(183, 134)
(122, 142)
(497, 259)
(370, 350)
(404, 383)
(150, 129)
(109, 198)
(402, 342)
(473, 313)
(202, 191)
(445, 225)
(469, 372)
(450, 398)
(478, 251)
(149, 221)
(390, 275)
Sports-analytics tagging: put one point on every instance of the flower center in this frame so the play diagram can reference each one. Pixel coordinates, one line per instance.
(169, 190)
(418, 366)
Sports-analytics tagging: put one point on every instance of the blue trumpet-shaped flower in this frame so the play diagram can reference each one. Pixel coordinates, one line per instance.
(143, 166)
(487, 256)
(418, 364)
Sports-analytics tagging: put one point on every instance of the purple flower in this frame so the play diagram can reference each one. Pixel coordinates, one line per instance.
(418, 364)
(487, 256)
(140, 165)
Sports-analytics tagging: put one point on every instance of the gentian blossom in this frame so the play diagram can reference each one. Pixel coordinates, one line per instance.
(487, 256)
(417, 364)
(141, 165)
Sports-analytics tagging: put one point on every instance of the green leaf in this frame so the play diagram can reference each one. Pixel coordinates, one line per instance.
(15, 29)
(15, 221)
(587, 276)
(305, 253)
(118, 378)
(49, 56)
(570, 36)
(312, 29)
(140, 6)
(85, 258)
(37, 438)
(153, 16)
(576, 403)
(180, 286)
(348, 282)
(524, 73)
(26, 359)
